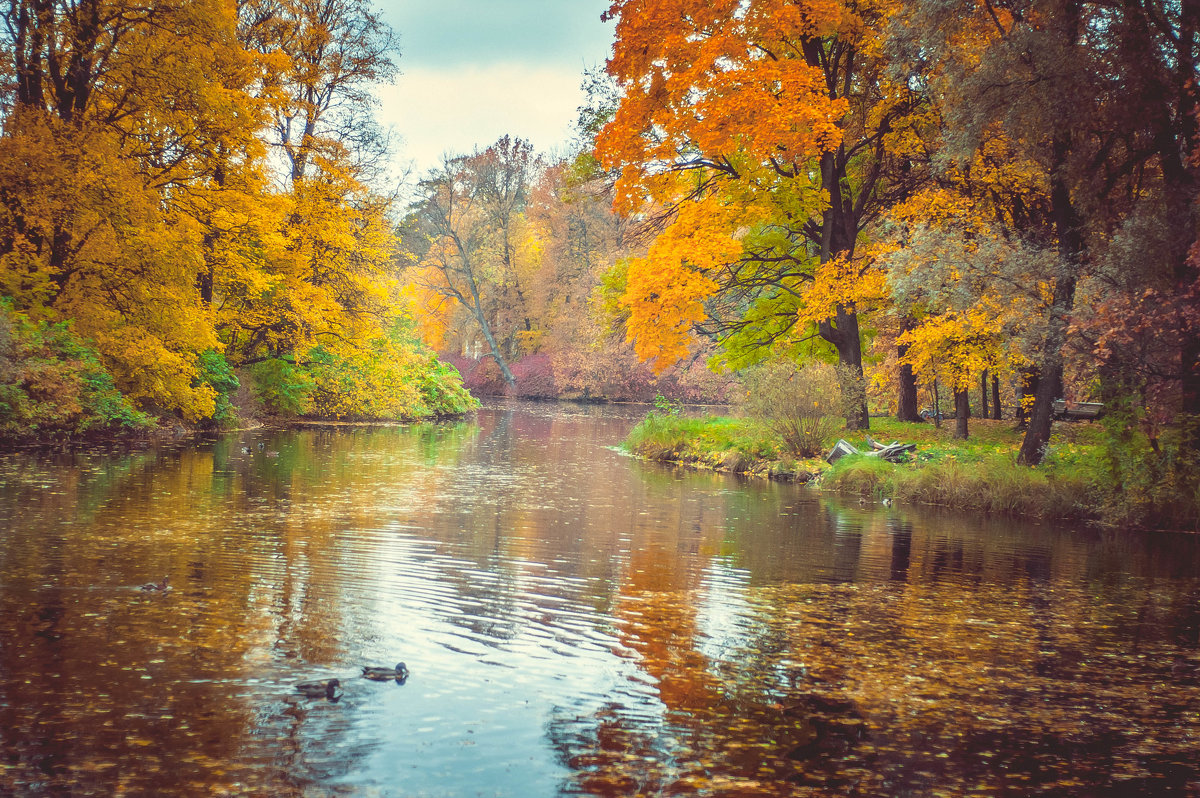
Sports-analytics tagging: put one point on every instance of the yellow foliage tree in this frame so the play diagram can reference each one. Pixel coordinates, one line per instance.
(117, 109)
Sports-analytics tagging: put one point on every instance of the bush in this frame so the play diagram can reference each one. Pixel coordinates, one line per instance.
(53, 384)
(801, 406)
(1150, 481)
(215, 372)
(392, 377)
(282, 386)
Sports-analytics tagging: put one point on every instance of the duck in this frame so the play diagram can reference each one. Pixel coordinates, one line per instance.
(399, 673)
(159, 587)
(325, 688)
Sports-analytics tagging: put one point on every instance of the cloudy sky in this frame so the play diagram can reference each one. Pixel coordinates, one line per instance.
(474, 70)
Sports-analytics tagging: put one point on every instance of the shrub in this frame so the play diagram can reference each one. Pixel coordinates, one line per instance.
(215, 372)
(801, 406)
(52, 383)
(282, 386)
(1150, 481)
(393, 376)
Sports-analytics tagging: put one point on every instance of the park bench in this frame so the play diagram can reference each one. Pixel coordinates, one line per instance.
(1077, 411)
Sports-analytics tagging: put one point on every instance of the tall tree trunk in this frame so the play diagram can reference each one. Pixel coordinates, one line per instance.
(983, 394)
(838, 231)
(476, 308)
(842, 331)
(962, 412)
(1069, 226)
(1177, 139)
(937, 406)
(996, 398)
(906, 405)
(494, 350)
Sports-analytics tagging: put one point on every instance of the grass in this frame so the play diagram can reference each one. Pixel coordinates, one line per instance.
(725, 444)
(994, 484)
(977, 474)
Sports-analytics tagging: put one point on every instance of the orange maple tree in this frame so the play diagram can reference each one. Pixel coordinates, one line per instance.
(761, 135)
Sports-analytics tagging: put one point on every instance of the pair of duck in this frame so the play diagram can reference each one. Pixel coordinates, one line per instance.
(329, 688)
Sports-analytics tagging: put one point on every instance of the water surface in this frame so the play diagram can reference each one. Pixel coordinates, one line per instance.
(575, 621)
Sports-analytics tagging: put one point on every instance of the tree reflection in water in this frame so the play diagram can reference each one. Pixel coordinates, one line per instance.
(884, 689)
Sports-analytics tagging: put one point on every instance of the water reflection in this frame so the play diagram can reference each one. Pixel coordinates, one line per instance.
(576, 622)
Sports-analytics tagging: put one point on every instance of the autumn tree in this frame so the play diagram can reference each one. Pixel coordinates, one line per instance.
(190, 182)
(966, 261)
(759, 135)
(471, 243)
(1102, 97)
(320, 260)
(114, 111)
(581, 238)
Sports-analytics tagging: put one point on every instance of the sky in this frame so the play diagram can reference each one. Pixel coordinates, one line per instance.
(472, 71)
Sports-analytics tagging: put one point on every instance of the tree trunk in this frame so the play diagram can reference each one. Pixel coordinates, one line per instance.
(842, 331)
(1037, 434)
(839, 227)
(983, 394)
(1069, 226)
(962, 412)
(494, 352)
(937, 406)
(906, 405)
(996, 398)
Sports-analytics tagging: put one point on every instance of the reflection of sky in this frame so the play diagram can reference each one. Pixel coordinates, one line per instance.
(723, 617)
(494, 655)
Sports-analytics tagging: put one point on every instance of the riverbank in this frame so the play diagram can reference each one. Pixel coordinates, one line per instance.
(1074, 482)
(166, 431)
(718, 443)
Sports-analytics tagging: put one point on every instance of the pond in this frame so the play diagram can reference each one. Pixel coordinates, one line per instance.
(575, 622)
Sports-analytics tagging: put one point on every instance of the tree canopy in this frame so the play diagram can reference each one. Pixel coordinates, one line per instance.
(949, 178)
(184, 181)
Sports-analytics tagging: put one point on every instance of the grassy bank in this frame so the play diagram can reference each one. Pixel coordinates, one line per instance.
(723, 444)
(1074, 482)
(981, 473)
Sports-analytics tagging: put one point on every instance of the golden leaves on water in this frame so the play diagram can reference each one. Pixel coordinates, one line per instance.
(879, 688)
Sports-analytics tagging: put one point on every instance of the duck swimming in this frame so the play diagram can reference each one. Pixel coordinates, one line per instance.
(399, 673)
(326, 688)
(160, 587)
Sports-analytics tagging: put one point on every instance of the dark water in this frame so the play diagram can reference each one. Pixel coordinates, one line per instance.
(575, 621)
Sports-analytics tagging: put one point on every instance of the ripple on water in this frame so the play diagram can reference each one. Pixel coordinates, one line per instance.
(572, 618)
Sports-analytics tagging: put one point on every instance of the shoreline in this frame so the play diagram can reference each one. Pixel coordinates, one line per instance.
(178, 431)
(979, 474)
